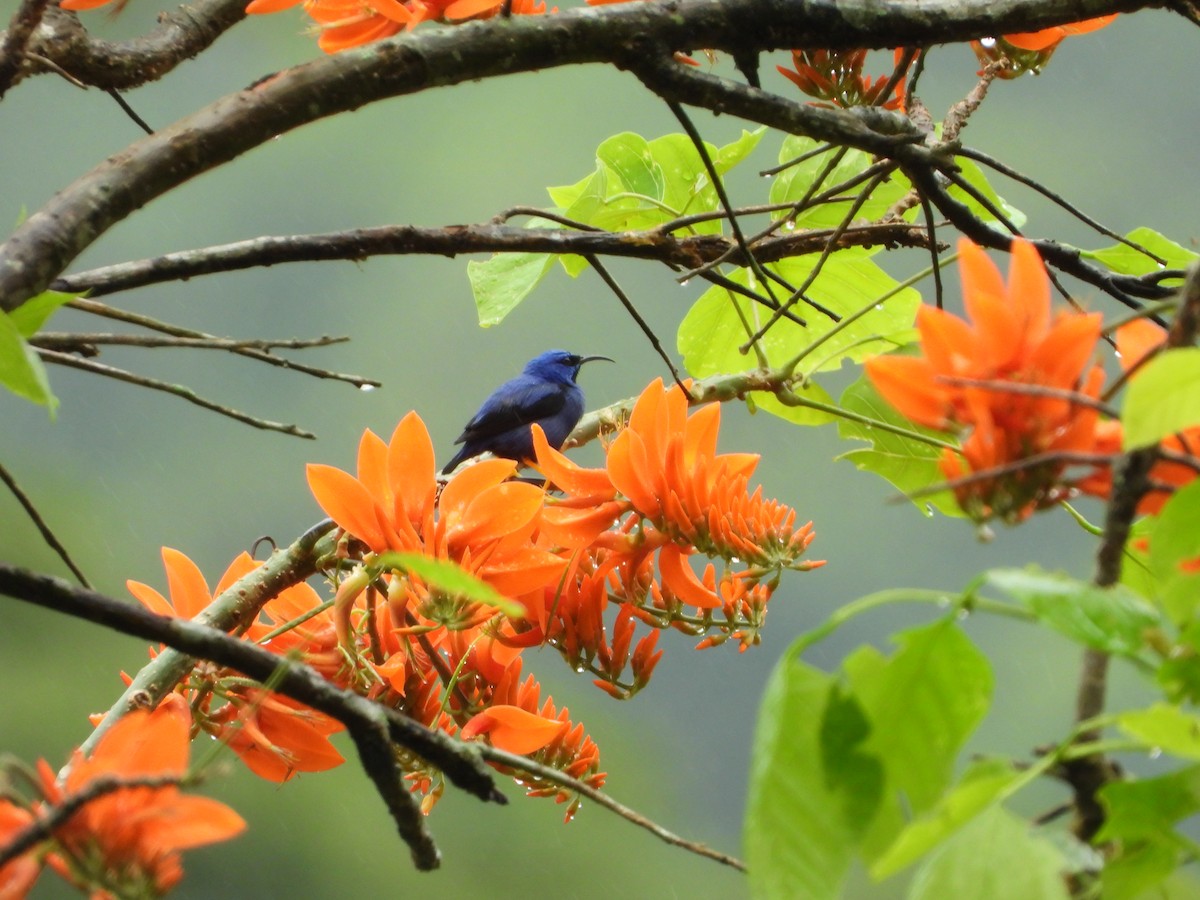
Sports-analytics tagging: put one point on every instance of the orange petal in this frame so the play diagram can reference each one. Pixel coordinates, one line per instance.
(466, 9)
(79, 5)
(678, 576)
(258, 7)
(1029, 290)
(411, 469)
(371, 467)
(467, 483)
(243, 564)
(347, 502)
(569, 477)
(150, 598)
(334, 40)
(949, 343)
(498, 511)
(185, 583)
(514, 729)
(578, 528)
(629, 470)
(1136, 340)
(397, 12)
(907, 383)
(195, 821)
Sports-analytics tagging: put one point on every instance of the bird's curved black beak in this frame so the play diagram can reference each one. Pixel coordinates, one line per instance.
(584, 359)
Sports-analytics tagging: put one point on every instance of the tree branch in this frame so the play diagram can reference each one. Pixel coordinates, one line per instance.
(47, 242)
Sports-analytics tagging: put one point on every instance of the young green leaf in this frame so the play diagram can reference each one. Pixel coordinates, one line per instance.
(995, 857)
(502, 282)
(797, 838)
(1125, 260)
(1164, 398)
(1114, 619)
(450, 578)
(21, 370)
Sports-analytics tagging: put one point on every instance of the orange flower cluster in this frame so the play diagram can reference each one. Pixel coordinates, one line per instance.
(275, 737)
(1029, 51)
(835, 78)
(1019, 388)
(439, 589)
(125, 841)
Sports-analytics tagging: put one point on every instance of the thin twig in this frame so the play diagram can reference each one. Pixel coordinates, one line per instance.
(47, 534)
(554, 776)
(178, 390)
(68, 341)
(120, 315)
(1056, 198)
(129, 110)
(637, 317)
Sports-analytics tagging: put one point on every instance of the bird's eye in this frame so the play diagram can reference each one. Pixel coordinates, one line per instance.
(573, 360)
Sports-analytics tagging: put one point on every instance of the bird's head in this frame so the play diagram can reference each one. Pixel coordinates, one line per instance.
(558, 365)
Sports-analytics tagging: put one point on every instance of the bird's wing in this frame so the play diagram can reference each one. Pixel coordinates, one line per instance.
(519, 402)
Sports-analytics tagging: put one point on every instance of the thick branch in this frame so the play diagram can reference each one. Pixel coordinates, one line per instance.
(120, 65)
(47, 242)
(452, 240)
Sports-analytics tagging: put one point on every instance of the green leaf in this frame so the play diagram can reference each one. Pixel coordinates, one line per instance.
(1125, 260)
(923, 703)
(31, 315)
(21, 370)
(995, 857)
(1149, 808)
(1141, 867)
(1113, 619)
(1164, 727)
(450, 578)
(797, 839)
(628, 156)
(1164, 398)
(502, 282)
(794, 182)
(911, 465)
(986, 783)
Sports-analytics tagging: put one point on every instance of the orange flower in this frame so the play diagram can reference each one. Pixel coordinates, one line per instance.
(273, 735)
(128, 841)
(961, 383)
(835, 78)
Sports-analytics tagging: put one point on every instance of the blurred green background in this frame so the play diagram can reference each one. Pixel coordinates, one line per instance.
(1110, 124)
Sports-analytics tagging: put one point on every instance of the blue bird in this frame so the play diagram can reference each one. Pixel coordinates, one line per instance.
(545, 393)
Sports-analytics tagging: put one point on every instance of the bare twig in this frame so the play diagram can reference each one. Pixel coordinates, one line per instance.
(178, 390)
(47, 535)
